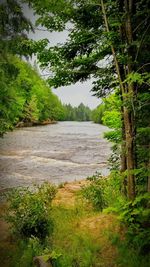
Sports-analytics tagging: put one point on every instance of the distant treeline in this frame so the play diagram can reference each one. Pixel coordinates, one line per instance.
(84, 113)
(80, 113)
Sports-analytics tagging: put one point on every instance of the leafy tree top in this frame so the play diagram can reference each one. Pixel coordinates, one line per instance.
(88, 42)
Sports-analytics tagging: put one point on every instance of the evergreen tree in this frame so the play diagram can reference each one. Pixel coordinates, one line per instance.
(80, 113)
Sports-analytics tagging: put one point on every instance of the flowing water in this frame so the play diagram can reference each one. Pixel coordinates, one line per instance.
(61, 152)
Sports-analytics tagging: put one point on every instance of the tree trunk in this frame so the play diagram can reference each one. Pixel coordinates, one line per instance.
(123, 166)
(129, 154)
(148, 178)
(123, 144)
(129, 112)
(126, 92)
(148, 184)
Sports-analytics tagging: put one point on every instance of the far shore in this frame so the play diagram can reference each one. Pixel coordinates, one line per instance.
(22, 124)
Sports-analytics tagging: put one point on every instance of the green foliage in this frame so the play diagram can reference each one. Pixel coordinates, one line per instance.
(113, 136)
(83, 252)
(136, 216)
(133, 214)
(80, 113)
(29, 211)
(23, 94)
(25, 97)
(138, 78)
(95, 192)
(109, 115)
(127, 254)
(9, 110)
(112, 116)
(87, 53)
(26, 250)
(31, 111)
(112, 119)
(30, 248)
(104, 192)
(67, 236)
(14, 26)
(97, 114)
(115, 56)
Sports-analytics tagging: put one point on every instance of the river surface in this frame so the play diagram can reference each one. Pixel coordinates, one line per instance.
(61, 152)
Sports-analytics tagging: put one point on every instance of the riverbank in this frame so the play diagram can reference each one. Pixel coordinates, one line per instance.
(22, 124)
(86, 232)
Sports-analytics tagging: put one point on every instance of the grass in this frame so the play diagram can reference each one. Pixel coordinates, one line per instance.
(127, 256)
(77, 246)
(82, 237)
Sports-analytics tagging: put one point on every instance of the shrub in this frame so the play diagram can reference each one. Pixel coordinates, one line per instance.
(94, 192)
(136, 216)
(29, 211)
(127, 254)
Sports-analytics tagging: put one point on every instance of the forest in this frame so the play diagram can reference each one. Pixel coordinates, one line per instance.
(80, 113)
(108, 41)
(25, 98)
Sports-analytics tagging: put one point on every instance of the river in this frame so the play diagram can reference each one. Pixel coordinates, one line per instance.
(61, 152)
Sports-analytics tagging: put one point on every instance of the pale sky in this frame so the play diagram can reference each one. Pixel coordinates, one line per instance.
(75, 93)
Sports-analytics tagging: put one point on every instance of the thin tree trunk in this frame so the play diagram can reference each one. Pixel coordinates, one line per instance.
(148, 178)
(129, 135)
(129, 155)
(123, 144)
(148, 184)
(123, 150)
(129, 115)
(123, 155)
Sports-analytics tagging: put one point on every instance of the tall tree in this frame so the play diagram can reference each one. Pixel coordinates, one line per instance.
(24, 96)
(14, 26)
(116, 32)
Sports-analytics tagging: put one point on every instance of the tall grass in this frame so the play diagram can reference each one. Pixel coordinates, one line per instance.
(77, 247)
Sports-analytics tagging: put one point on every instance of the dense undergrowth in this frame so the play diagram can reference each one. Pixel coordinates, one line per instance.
(65, 234)
(105, 194)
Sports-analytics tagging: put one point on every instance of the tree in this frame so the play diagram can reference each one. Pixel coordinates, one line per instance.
(13, 28)
(25, 97)
(80, 113)
(113, 31)
(97, 113)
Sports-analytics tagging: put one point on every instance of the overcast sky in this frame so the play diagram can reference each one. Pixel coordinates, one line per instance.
(73, 94)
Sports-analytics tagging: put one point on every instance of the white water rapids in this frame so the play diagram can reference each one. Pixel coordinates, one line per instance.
(61, 152)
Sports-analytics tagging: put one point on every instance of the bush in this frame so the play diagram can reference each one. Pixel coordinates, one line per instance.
(94, 192)
(127, 255)
(29, 211)
(136, 216)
